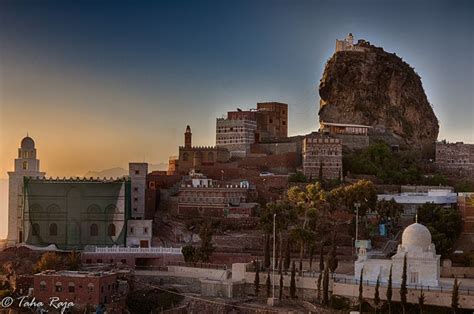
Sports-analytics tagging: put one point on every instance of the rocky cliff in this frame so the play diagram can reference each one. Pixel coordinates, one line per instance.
(377, 88)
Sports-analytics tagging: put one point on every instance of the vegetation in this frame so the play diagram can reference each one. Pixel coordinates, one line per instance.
(389, 209)
(455, 297)
(326, 285)
(292, 281)
(256, 281)
(389, 291)
(280, 296)
(206, 249)
(297, 177)
(444, 224)
(361, 289)
(403, 287)
(189, 253)
(421, 301)
(403, 167)
(50, 261)
(268, 285)
(377, 294)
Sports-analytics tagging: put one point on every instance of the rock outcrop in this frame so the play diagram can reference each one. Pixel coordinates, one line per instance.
(377, 88)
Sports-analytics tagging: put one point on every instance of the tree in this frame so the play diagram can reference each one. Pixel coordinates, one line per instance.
(73, 261)
(49, 261)
(421, 301)
(403, 287)
(455, 297)
(361, 289)
(320, 279)
(292, 281)
(377, 294)
(445, 225)
(207, 248)
(321, 258)
(266, 261)
(297, 177)
(286, 262)
(332, 260)
(389, 209)
(256, 281)
(389, 291)
(326, 285)
(362, 192)
(189, 253)
(280, 296)
(268, 285)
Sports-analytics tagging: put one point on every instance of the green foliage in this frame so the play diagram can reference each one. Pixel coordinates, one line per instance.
(445, 225)
(389, 209)
(326, 285)
(421, 301)
(464, 186)
(73, 261)
(148, 301)
(292, 281)
(403, 286)
(332, 259)
(268, 285)
(362, 192)
(266, 253)
(297, 177)
(377, 293)
(455, 297)
(280, 296)
(403, 167)
(361, 289)
(189, 253)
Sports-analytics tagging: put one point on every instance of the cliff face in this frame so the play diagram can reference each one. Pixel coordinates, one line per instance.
(377, 88)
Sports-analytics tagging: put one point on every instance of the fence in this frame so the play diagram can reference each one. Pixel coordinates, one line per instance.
(136, 250)
(181, 264)
(464, 291)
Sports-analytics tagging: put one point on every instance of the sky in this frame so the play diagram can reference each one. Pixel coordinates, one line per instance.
(100, 83)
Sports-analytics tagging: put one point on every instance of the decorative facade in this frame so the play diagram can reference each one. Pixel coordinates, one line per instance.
(236, 135)
(423, 264)
(322, 157)
(456, 158)
(193, 157)
(347, 44)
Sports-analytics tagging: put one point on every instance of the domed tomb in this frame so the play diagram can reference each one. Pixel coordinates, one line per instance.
(416, 236)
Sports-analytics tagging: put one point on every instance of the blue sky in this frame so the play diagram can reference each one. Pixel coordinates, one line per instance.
(100, 83)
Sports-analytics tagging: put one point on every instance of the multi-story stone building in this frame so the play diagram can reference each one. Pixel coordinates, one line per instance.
(322, 157)
(201, 196)
(193, 157)
(272, 120)
(352, 136)
(456, 158)
(79, 287)
(347, 44)
(237, 135)
(466, 207)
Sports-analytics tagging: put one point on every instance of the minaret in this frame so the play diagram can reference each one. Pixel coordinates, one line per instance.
(26, 165)
(188, 137)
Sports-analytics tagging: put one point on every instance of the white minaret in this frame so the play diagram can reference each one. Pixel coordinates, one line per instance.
(26, 165)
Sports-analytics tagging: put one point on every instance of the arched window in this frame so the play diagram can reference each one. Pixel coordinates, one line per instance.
(59, 286)
(36, 230)
(53, 229)
(185, 157)
(90, 287)
(94, 230)
(111, 230)
(71, 287)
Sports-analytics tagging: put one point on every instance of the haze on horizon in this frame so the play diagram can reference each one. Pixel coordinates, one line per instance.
(99, 84)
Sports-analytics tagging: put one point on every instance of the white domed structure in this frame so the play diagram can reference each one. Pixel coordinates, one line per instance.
(416, 236)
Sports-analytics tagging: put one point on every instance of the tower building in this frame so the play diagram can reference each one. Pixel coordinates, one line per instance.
(26, 165)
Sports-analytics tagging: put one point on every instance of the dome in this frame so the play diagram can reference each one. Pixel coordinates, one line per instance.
(416, 235)
(27, 143)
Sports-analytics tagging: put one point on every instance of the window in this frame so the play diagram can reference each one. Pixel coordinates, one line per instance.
(185, 157)
(135, 199)
(135, 189)
(283, 122)
(111, 230)
(90, 287)
(71, 287)
(151, 184)
(131, 230)
(88, 261)
(145, 230)
(43, 286)
(137, 171)
(94, 230)
(59, 287)
(25, 165)
(53, 229)
(35, 230)
(413, 277)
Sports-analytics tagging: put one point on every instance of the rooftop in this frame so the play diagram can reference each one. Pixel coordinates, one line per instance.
(76, 274)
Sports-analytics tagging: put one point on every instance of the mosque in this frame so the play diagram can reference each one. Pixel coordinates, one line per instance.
(423, 264)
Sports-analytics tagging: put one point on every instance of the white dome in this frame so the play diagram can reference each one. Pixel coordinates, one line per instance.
(416, 235)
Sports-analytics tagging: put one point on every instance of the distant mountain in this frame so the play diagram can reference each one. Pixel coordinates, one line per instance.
(119, 172)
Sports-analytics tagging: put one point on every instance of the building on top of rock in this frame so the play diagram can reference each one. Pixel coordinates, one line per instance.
(347, 44)
(423, 264)
(322, 157)
(456, 158)
(193, 157)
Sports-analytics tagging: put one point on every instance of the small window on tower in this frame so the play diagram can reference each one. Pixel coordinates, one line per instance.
(137, 172)
(25, 165)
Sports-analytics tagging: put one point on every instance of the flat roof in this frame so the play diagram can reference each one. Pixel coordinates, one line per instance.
(80, 274)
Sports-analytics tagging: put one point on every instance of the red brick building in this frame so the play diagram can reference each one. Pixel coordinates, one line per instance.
(79, 287)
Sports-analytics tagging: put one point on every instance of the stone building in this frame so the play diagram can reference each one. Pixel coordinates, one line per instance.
(193, 157)
(237, 135)
(72, 213)
(423, 264)
(347, 44)
(201, 196)
(79, 287)
(353, 136)
(322, 157)
(26, 165)
(466, 207)
(272, 121)
(455, 158)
